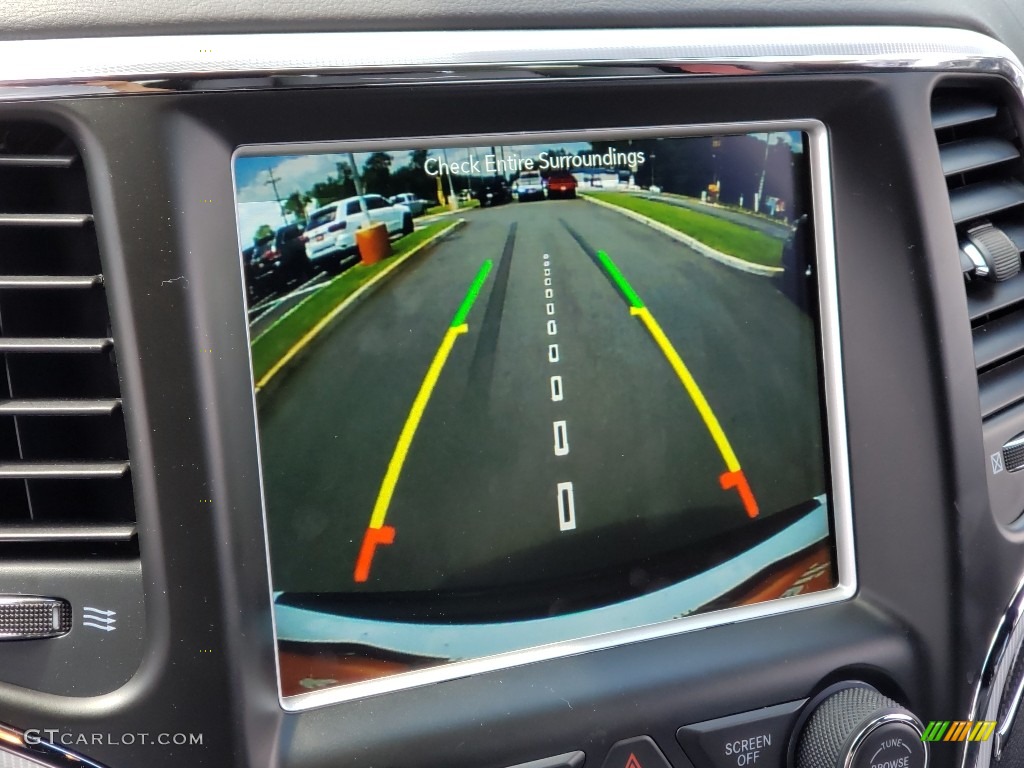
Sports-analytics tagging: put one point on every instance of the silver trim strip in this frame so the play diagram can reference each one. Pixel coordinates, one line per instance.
(45, 219)
(126, 65)
(30, 533)
(37, 161)
(59, 407)
(987, 702)
(871, 726)
(36, 282)
(1006, 725)
(71, 470)
(12, 345)
(817, 148)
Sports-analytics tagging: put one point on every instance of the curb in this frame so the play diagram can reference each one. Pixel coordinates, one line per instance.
(355, 298)
(704, 250)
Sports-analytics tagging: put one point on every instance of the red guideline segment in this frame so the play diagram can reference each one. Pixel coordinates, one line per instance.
(738, 481)
(374, 537)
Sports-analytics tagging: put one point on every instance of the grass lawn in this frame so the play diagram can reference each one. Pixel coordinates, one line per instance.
(463, 206)
(271, 346)
(725, 236)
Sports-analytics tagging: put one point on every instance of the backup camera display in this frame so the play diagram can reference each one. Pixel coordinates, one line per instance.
(509, 396)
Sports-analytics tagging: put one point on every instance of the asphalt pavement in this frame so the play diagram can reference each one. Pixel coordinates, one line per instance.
(554, 383)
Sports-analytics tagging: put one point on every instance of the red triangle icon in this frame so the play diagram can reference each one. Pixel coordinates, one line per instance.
(633, 762)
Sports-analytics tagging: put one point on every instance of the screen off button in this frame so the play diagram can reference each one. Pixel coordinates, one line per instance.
(757, 739)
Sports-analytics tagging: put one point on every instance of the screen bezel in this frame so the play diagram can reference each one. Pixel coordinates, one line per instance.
(830, 358)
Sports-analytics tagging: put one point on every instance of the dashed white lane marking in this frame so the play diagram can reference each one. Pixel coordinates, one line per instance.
(566, 507)
(566, 497)
(556, 388)
(561, 438)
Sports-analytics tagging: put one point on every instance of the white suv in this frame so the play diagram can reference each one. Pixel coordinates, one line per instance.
(331, 230)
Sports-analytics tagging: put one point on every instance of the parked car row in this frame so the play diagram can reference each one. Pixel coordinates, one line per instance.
(532, 186)
(327, 241)
(276, 260)
(331, 230)
(416, 205)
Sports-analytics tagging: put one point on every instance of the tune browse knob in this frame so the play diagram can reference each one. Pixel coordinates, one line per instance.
(857, 727)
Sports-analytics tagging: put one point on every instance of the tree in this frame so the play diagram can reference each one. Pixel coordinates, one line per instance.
(265, 230)
(334, 187)
(377, 174)
(414, 177)
(296, 205)
(418, 159)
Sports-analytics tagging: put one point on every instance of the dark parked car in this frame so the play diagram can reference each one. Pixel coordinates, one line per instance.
(493, 192)
(277, 261)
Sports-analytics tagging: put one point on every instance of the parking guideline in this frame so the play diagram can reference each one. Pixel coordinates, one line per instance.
(734, 477)
(377, 533)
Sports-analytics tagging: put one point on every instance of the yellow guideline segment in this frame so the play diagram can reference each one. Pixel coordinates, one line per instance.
(690, 384)
(387, 487)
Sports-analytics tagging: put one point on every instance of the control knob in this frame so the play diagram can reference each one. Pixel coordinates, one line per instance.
(858, 727)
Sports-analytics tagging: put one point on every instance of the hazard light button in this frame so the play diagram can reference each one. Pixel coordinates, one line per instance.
(638, 752)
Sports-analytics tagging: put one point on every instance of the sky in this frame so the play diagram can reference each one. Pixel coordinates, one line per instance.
(298, 173)
(795, 139)
(251, 216)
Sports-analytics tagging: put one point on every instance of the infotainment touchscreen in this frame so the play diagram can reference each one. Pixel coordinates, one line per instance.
(519, 397)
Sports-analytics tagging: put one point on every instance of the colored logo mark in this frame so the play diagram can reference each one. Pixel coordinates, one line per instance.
(959, 730)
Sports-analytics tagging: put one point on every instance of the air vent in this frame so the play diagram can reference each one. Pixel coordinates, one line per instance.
(64, 471)
(980, 149)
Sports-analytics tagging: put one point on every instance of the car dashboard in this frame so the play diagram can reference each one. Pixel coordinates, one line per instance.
(634, 387)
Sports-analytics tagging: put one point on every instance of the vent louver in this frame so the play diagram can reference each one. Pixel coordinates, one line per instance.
(64, 471)
(980, 150)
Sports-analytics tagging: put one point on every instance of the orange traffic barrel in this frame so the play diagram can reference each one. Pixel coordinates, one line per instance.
(373, 243)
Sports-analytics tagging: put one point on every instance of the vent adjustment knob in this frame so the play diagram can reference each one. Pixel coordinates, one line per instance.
(997, 252)
(857, 727)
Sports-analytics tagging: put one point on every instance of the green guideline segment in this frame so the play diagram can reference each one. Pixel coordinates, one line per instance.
(474, 290)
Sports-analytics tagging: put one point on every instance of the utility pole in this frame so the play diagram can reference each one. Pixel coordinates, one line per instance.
(272, 182)
(453, 202)
(764, 170)
(355, 174)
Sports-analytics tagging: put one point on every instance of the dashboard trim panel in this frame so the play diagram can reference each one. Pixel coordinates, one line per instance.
(33, 69)
(51, 69)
